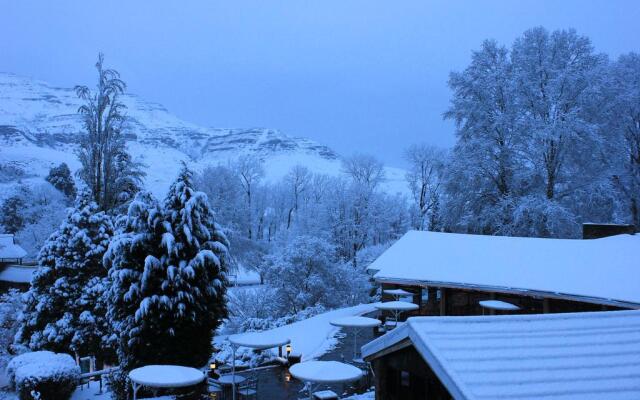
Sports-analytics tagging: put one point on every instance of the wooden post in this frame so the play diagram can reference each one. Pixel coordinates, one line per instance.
(443, 301)
(493, 297)
(545, 306)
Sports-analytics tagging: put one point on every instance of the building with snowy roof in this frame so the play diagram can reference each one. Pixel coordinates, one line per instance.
(590, 355)
(10, 252)
(455, 274)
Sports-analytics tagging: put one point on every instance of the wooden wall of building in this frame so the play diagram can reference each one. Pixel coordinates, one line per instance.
(453, 301)
(404, 375)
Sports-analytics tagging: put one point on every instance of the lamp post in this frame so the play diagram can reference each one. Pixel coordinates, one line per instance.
(288, 350)
(212, 369)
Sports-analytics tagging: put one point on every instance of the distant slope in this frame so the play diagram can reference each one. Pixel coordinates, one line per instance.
(39, 127)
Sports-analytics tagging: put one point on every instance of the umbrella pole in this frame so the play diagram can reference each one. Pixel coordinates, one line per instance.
(233, 372)
(355, 343)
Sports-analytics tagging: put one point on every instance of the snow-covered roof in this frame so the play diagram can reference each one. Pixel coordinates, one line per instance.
(582, 356)
(8, 249)
(601, 270)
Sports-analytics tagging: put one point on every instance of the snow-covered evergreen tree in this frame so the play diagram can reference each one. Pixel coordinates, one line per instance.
(64, 311)
(60, 177)
(138, 239)
(169, 279)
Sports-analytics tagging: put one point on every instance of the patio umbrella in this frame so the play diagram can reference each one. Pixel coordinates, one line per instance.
(398, 293)
(258, 341)
(356, 323)
(396, 307)
(319, 372)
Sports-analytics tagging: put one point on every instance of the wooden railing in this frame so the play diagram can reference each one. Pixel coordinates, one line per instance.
(86, 378)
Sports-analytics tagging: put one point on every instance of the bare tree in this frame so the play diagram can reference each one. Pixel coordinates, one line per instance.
(107, 168)
(426, 165)
(250, 171)
(364, 170)
(298, 180)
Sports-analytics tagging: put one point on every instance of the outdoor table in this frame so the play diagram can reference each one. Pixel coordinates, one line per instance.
(497, 305)
(397, 307)
(324, 372)
(397, 293)
(257, 341)
(164, 376)
(357, 323)
(230, 379)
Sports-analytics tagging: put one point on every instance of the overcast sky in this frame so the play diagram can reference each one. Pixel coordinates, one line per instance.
(359, 76)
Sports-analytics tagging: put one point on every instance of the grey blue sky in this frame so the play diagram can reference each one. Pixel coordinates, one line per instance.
(359, 76)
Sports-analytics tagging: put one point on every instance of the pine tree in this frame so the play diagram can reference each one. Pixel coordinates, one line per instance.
(60, 177)
(169, 279)
(192, 276)
(139, 239)
(64, 310)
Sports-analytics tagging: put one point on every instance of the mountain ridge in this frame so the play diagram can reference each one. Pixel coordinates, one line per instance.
(39, 126)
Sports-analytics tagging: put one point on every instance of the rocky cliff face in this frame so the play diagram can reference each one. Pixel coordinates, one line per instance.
(39, 127)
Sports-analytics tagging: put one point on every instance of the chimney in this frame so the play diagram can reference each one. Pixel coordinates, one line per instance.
(596, 231)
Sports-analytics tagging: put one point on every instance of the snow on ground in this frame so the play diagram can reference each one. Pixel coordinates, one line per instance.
(16, 274)
(92, 392)
(315, 336)
(244, 276)
(364, 396)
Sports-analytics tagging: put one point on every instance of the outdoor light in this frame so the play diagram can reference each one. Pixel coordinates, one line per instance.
(288, 350)
(212, 366)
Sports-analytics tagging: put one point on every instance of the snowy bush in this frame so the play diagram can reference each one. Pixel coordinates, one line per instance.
(245, 357)
(253, 324)
(10, 305)
(302, 273)
(41, 209)
(50, 375)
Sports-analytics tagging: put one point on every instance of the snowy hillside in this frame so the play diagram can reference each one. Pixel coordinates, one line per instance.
(39, 125)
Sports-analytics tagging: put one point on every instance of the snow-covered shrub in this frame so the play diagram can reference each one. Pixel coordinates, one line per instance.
(50, 375)
(245, 357)
(302, 272)
(33, 213)
(262, 324)
(10, 305)
(60, 177)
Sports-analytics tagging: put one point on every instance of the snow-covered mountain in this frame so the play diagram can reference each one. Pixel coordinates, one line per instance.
(39, 126)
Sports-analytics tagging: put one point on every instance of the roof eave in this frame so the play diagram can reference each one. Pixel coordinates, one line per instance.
(510, 290)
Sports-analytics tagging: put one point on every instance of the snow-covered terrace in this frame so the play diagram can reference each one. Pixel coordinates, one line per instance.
(562, 356)
(602, 271)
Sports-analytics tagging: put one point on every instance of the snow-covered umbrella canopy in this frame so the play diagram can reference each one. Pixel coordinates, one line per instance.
(396, 306)
(259, 341)
(498, 305)
(356, 322)
(398, 292)
(325, 372)
(166, 376)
